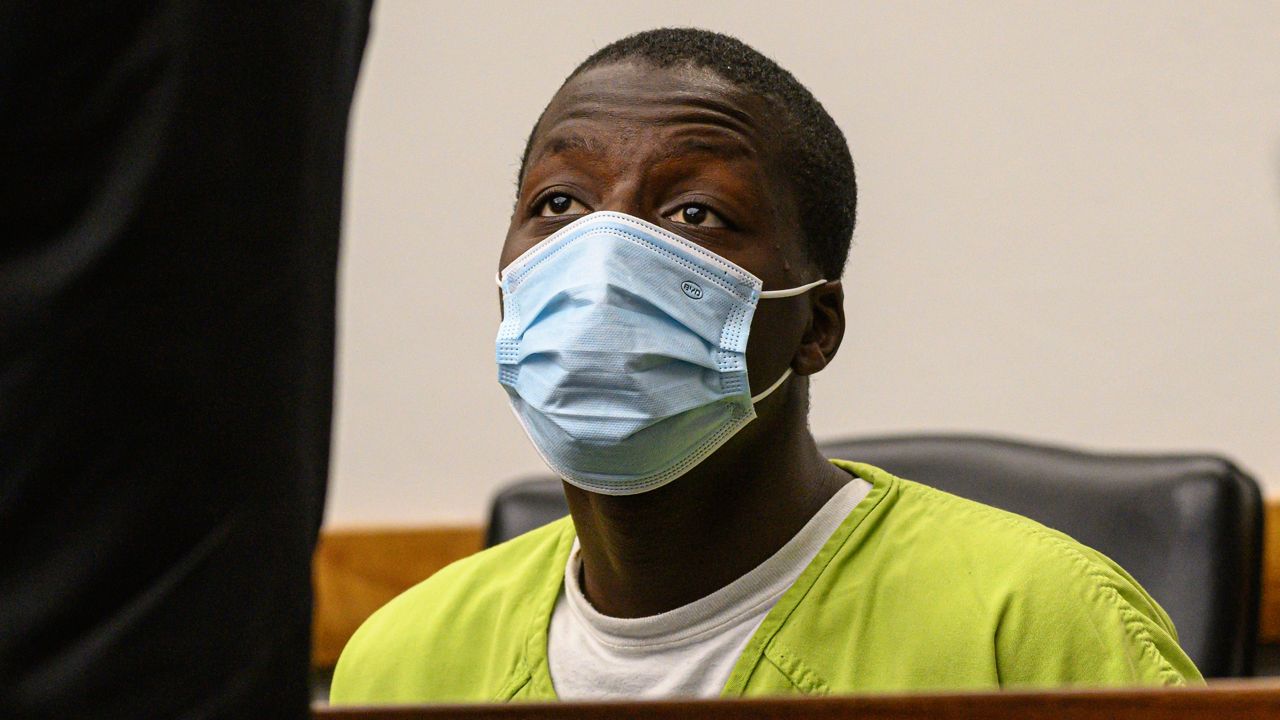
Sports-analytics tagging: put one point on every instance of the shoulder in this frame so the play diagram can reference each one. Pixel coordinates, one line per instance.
(1022, 557)
(990, 543)
(924, 525)
(1055, 610)
(460, 633)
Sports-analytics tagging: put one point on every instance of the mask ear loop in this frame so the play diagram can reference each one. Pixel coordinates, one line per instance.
(790, 292)
(777, 384)
(785, 293)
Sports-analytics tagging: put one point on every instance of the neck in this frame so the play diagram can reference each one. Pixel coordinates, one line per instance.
(653, 552)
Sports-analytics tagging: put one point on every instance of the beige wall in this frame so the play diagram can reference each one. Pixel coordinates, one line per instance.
(1069, 227)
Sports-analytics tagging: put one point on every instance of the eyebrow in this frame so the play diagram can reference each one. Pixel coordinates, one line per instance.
(565, 143)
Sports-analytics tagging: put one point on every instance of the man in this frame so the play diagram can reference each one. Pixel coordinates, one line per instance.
(670, 281)
(168, 253)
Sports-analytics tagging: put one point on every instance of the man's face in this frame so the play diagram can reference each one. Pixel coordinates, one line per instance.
(686, 150)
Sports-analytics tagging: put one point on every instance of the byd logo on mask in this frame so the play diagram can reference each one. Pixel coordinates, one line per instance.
(691, 289)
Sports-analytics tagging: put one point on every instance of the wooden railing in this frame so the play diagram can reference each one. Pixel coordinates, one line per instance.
(1236, 700)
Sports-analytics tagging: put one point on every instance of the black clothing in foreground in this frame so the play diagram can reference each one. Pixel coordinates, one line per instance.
(170, 190)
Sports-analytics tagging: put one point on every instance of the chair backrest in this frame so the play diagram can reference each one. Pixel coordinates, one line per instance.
(1187, 527)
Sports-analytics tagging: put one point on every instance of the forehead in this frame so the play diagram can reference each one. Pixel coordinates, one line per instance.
(608, 107)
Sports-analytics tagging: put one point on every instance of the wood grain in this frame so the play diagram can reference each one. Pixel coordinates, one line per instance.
(358, 571)
(1269, 613)
(1239, 700)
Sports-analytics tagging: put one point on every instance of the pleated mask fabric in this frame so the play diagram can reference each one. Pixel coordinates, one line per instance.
(623, 351)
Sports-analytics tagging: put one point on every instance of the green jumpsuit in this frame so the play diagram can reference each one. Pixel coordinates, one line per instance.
(917, 590)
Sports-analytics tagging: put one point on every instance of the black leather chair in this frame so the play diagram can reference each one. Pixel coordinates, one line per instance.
(1187, 527)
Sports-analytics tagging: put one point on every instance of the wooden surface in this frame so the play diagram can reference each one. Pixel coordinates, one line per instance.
(358, 571)
(1269, 616)
(1226, 701)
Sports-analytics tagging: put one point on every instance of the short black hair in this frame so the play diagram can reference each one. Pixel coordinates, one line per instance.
(821, 168)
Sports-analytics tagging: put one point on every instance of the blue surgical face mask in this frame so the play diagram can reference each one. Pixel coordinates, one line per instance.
(623, 351)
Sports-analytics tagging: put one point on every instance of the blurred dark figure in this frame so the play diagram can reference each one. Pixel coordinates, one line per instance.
(172, 178)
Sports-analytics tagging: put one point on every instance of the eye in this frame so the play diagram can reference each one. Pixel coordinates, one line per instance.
(698, 215)
(561, 204)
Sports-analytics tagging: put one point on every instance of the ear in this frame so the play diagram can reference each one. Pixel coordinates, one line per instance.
(822, 337)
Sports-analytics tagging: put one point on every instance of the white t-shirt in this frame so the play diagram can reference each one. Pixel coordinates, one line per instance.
(688, 651)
